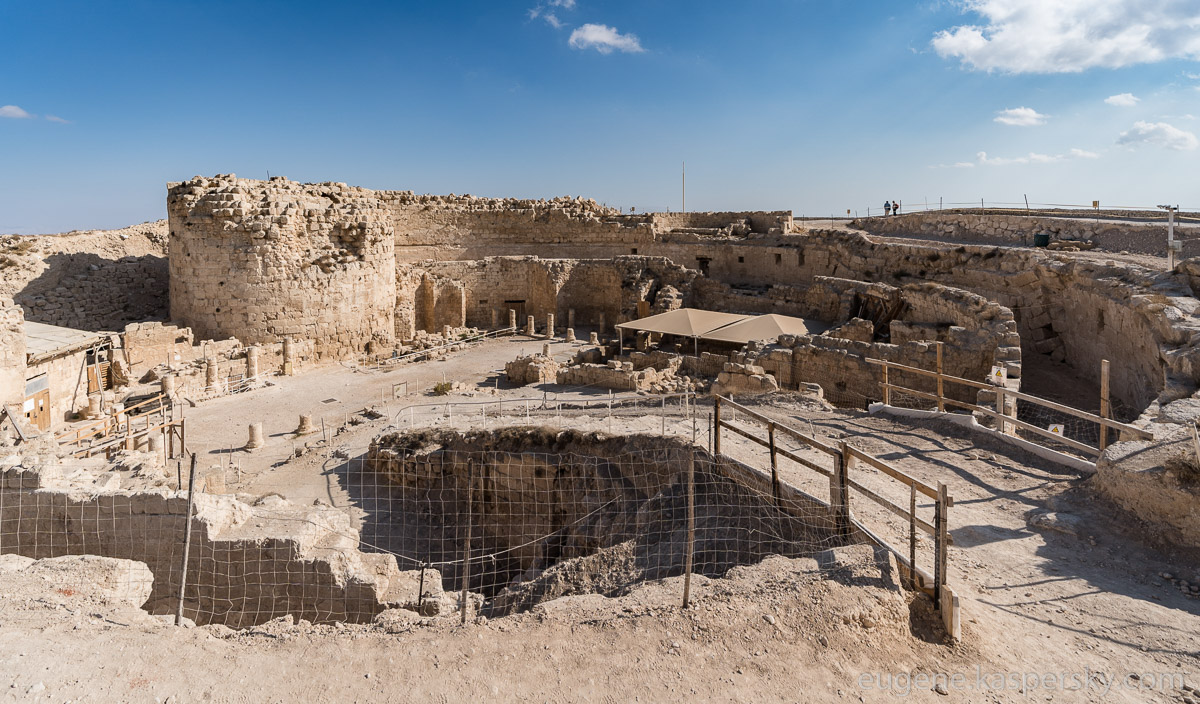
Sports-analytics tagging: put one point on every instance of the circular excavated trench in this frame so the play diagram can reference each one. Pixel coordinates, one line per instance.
(550, 513)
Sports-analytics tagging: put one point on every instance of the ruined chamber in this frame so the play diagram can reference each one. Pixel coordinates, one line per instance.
(266, 261)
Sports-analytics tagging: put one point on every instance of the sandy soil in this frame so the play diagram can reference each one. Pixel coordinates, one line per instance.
(1053, 581)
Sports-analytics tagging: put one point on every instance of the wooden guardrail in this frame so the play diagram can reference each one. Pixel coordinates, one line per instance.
(117, 424)
(842, 478)
(128, 428)
(1006, 421)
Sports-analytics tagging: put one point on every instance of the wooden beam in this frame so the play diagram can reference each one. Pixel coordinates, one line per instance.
(891, 506)
(1104, 409)
(807, 440)
(893, 472)
(1123, 427)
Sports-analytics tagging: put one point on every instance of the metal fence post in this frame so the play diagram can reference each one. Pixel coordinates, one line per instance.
(466, 568)
(691, 528)
(187, 540)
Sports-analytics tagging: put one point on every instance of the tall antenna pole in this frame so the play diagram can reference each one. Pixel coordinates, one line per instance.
(684, 186)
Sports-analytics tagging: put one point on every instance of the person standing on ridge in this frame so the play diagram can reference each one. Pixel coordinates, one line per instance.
(887, 208)
(895, 208)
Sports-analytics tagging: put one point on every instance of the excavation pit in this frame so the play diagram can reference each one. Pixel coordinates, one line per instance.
(549, 513)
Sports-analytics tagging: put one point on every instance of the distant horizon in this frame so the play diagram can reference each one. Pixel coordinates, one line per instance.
(814, 106)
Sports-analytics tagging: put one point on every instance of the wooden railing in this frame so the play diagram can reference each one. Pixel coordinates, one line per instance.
(127, 429)
(1006, 421)
(842, 478)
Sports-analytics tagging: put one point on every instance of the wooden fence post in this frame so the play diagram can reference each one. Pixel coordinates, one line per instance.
(844, 488)
(1104, 408)
(717, 425)
(887, 388)
(912, 532)
(941, 405)
(941, 540)
(839, 498)
(774, 462)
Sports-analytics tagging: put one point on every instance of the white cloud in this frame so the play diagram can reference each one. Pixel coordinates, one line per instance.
(542, 10)
(1159, 134)
(604, 39)
(59, 120)
(1020, 117)
(1068, 36)
(13, 111)
(983, 159)
(1123, 100)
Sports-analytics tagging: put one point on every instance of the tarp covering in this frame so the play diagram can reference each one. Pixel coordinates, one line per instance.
(686, 322)
(762, 327)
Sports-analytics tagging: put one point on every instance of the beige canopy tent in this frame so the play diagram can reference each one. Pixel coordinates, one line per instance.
(684, 322)
(762, 327)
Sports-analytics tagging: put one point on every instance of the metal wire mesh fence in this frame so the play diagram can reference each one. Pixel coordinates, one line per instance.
(440, 522)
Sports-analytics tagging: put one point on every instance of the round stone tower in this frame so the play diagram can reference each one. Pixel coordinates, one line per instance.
(266, 260)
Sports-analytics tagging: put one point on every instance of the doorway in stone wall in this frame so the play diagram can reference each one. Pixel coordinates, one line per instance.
(518, 306)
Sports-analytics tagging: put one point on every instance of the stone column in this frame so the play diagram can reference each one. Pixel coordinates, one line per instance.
(570, 334)
(251, 362)
(531, 329)
(550, 325)
(256, 437)
(210, 373)
(601, 330)
(546, 349)
(289, 356)
(93, 408)
(570, 317)
(306, 424)
(512, 319)
(595, 339)
(495, 319)
(167, 385)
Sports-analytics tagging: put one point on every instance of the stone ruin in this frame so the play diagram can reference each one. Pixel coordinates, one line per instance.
(306, 274)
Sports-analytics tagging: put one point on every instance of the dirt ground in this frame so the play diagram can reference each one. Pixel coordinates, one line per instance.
(1054, 582)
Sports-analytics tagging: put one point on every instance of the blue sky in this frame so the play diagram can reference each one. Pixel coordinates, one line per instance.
(812, 105)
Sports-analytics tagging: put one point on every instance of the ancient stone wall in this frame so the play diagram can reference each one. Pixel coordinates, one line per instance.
(88, 280)
(540, 287)
(246, 565)
(741, 223)
(12, 353)
(991, 228)
(465, 227)
(262, 261)
(1075, 310)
